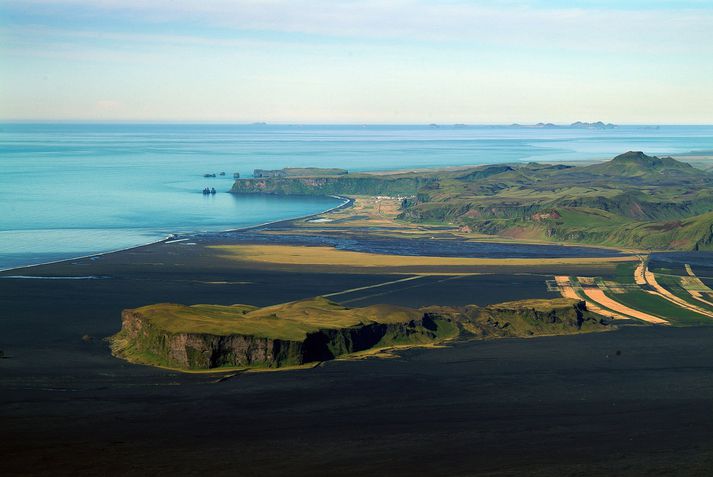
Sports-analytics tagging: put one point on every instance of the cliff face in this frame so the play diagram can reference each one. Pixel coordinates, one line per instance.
(329, 344)
(535, 317)
(332, 185)
(145, 337)
(141, 341)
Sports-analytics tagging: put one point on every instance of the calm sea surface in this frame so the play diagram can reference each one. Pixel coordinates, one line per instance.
(68, 190)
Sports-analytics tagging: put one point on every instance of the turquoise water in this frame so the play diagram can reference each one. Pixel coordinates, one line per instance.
(68, 190)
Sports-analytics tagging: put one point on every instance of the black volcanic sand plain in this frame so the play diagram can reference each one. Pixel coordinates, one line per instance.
(636, 401)
(370, 242)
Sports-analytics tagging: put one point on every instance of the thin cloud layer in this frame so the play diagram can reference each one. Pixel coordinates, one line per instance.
(493, 23)
(388, 61)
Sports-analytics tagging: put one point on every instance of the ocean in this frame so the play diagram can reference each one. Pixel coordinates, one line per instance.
(69, 190)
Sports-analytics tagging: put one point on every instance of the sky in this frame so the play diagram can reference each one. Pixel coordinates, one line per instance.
(357, 61)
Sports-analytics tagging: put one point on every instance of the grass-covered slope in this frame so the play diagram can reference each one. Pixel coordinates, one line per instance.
(292, 334)
(636, 164)
(559, 316)
(634, 200)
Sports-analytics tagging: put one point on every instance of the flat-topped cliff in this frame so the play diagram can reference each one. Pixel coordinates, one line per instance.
(348, 184)
(307, 331)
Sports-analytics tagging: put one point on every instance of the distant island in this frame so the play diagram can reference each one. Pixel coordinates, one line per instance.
(596, 125)
(576, 125)
(305, 332)
(634, 200)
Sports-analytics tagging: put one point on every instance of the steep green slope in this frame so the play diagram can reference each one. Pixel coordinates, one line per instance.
(636, 164)
(634, 200)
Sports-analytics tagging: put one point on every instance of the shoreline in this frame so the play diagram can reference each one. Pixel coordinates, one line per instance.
(347, 202)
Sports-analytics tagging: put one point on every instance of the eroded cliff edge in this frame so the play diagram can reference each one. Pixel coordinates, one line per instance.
(204, 337)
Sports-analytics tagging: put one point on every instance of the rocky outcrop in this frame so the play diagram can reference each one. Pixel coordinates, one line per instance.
(531, 318)
(329, 344)
(142, 340)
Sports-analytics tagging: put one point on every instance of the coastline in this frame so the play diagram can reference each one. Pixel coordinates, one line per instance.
(381, 172)
(347, 202)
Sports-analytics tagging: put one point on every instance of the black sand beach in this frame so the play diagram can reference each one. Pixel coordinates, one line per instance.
(630, 402)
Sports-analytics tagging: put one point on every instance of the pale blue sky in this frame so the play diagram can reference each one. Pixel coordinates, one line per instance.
(373, 61)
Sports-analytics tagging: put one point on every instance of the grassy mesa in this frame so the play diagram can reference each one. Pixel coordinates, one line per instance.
(205, 337)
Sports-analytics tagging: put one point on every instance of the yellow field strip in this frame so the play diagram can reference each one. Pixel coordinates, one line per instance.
(597, 294)
(567, 291)
(651, 280)
(302, 255)
(565, 286)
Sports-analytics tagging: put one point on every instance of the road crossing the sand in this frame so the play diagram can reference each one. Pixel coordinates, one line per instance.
(352, 290)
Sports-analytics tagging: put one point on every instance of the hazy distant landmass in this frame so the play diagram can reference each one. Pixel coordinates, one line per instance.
(577, 125)
(596, 125)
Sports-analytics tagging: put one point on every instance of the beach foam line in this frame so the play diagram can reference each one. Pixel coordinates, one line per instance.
(90, 256)
(176, 241)
(345, 201)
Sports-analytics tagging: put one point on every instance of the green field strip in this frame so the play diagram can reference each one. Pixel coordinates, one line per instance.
(625, 273)
(658, 306)
(672, 283)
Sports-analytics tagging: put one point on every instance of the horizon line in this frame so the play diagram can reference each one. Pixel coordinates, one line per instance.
(319, 123)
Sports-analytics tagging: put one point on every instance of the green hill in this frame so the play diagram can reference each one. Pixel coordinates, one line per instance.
(633, 200)
(636, 164)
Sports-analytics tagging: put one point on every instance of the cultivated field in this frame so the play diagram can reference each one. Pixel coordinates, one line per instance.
(641, 294)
